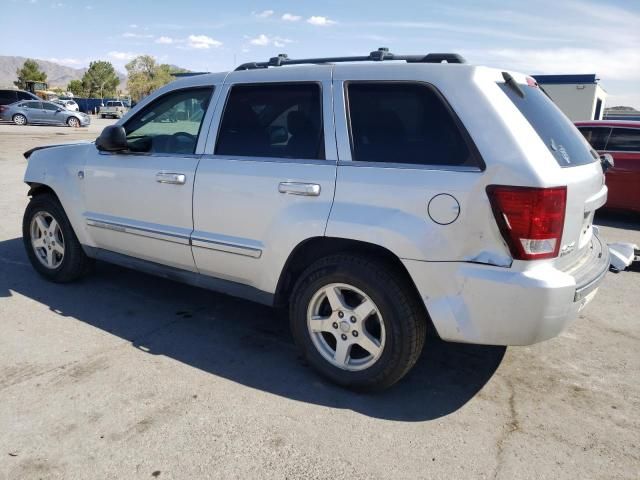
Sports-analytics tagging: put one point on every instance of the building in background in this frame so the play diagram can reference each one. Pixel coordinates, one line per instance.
(580, 97)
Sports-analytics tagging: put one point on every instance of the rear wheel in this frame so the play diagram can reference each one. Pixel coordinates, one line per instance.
(73, 122)
(357, 321)
(50, 242)
(19, 119)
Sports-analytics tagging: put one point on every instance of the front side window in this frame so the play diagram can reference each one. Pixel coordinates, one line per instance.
(273, 120)
(596, 136)
(50, 106)
(170, 124)
(404, 123)
(624, 140)
(24, 96)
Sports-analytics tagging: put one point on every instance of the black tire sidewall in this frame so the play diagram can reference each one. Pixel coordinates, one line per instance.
(69, 268)
(19, 115)
(391, 362)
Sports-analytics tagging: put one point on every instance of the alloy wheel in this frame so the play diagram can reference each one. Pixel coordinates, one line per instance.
(346, 327)
(47, 240)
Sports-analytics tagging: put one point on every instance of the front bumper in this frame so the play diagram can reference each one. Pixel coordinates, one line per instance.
(483, 304)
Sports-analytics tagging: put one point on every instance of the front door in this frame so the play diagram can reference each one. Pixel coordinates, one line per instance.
(267, 178)
(138, 203)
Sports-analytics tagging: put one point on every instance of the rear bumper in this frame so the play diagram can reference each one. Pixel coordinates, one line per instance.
(482, 304)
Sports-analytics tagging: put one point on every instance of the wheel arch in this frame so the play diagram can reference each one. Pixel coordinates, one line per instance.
(314, 248)
(39, 189)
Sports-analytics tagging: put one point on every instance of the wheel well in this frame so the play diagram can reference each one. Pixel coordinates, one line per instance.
(315, 248)
(39, 189)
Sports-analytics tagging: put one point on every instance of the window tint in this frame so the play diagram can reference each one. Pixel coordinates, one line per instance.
(624, 140)
(24, 96)
(34, 105)
(552, 126)
(404, 123)
(7, 97)
(170, 124)
(596, 136)
(50, 106)
(273, 120)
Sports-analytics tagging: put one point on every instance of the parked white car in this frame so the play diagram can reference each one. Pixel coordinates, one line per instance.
(68, 104)
(371, 198)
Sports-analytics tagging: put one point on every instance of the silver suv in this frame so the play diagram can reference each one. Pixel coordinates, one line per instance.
(373, 196)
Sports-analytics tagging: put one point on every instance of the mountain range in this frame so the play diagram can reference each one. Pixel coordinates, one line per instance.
(57, 75)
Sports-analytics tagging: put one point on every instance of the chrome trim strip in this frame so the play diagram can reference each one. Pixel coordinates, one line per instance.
(201, 242)
(140, 231)
(408, 166)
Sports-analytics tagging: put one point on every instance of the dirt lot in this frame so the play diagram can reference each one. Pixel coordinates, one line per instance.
(124, 375)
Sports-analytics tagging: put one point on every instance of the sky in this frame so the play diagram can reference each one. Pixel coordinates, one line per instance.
(542, 36)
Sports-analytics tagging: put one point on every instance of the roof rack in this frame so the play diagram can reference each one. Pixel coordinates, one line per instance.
(379, 55)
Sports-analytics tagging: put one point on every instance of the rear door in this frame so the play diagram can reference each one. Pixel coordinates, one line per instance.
(624, 178)
(408, 174)
(267, 179)
(34, 112)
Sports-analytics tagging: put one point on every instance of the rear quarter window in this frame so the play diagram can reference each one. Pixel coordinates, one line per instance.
(624, 140)
(561, 137)
(405, 123)
(596, 136)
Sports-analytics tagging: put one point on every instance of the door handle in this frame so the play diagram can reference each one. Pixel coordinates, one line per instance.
(168, 177)
(298, 188)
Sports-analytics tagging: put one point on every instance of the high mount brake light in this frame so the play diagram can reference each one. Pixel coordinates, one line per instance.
(530, 219)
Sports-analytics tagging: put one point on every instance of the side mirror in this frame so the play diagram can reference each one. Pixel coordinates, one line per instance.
(606, 160)
(112, 139)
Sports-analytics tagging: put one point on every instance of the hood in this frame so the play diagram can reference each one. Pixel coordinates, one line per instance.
(28, 153)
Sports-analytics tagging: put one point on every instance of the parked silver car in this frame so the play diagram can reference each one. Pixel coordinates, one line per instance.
(35, 111)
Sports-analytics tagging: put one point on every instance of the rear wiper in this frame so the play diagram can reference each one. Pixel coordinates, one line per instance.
(508, 79)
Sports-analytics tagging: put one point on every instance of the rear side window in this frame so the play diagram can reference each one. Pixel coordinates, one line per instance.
(273, 120)
(34, 105)
(24, 96)
(596, 136)
(7, 97)
(556, 131)
(624, 140)
(405, 123)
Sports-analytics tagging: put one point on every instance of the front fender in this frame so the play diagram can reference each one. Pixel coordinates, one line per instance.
(58, 168)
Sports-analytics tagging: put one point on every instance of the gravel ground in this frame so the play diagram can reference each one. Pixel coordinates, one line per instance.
(124, 375)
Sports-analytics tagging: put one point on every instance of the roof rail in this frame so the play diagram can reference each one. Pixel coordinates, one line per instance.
(376, 56)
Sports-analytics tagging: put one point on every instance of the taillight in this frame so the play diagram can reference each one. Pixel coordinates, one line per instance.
(530, 219)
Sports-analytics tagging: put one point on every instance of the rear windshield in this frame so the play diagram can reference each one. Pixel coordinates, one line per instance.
(114, 104)
(557, 132)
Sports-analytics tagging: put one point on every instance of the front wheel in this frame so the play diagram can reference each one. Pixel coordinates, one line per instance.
(357, 321)
(51, 243)
(19, 119)
(73, 122)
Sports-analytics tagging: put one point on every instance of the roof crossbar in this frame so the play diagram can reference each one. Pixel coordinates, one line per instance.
(379, 55)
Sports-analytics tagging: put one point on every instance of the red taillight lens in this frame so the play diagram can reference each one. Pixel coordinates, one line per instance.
(531, 219)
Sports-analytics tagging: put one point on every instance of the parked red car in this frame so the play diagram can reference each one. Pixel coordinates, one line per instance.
(621, 139)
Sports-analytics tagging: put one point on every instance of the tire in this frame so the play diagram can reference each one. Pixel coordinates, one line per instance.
(393, 335)
(102, 116)
(68, 260)
(73, 122)
(19, 119)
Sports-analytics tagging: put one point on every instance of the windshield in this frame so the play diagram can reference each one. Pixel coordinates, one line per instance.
(557, 132)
